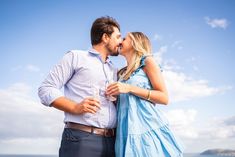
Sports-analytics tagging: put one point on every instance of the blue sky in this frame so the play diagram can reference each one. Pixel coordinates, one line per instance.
(192, 40)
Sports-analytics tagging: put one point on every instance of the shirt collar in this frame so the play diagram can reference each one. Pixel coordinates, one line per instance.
(96, 53)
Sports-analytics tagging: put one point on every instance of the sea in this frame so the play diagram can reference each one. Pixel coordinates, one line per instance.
(11, 155)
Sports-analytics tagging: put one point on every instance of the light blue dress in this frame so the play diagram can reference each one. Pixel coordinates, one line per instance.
(142, 130)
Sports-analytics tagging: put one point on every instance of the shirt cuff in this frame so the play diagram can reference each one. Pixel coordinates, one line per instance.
(48, 97)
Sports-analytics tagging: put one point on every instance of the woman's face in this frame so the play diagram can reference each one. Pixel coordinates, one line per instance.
(126, 45)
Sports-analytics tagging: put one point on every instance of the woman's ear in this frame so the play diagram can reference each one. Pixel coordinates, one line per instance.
(105, 38)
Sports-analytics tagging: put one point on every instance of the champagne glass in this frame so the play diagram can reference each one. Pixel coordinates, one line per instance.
(95, 93)
(110, 97)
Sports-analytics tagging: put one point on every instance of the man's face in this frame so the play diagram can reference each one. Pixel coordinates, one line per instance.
(114, 42)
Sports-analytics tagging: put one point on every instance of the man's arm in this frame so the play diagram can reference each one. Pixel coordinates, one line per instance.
(50, 94)
(49, 90)
(90, 105)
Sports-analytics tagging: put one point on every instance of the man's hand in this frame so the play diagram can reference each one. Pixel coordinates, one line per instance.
(88, 105)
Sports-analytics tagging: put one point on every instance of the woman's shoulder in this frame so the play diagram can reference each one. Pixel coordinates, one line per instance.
(150, 62)
(148, 58)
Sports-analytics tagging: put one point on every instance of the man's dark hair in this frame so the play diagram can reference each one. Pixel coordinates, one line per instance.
(100, 26)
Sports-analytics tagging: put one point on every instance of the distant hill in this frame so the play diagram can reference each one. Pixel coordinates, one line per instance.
(219, 152)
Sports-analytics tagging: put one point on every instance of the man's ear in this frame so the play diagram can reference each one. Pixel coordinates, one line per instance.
(105, 38)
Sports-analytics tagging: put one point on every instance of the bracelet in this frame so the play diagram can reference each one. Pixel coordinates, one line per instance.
(149, 94)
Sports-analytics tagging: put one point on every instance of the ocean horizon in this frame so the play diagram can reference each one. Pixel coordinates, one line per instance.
(35, 155)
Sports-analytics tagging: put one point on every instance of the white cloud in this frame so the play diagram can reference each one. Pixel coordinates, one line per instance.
(178, 45)
(30, 146)
(32, 68)
(182, 121)
(157, 37)
(201, 135)
(220, 128)
(26, 121)
(214, 23)
(192, 59)
(160, 53)
(195, 68)
(182, 87)
(29, 67)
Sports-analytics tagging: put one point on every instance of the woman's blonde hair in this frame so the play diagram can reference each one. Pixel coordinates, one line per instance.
(142, 46)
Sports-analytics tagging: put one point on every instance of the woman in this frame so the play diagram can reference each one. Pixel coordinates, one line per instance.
(142, 130)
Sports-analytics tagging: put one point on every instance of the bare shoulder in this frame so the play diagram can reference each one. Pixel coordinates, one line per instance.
(149, 60)
(150, 63)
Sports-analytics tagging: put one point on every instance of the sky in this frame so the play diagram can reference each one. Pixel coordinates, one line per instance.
(193, 41)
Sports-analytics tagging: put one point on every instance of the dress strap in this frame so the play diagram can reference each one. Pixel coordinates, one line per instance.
(142, 62)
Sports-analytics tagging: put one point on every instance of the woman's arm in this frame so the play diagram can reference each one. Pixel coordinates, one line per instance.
(157, 95)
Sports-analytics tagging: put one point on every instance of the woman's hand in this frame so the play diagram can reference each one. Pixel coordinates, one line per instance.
(118, 88)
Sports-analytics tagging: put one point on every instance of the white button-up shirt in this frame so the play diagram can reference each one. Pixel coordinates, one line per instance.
(82, 74)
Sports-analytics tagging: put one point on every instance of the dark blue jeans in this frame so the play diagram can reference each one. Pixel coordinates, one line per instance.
(77, 143)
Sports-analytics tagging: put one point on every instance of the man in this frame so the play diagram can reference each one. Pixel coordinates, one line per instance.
(89, 120)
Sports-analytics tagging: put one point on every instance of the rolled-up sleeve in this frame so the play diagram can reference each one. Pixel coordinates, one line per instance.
(50, 88)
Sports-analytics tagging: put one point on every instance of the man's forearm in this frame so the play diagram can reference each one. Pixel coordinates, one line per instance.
(65, 104)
